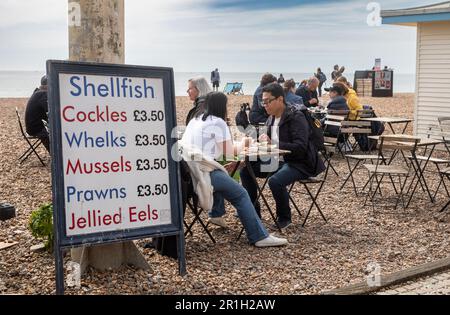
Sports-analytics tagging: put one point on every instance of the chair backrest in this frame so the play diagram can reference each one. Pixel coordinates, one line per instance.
(339, 112)
(356, 127)
(364, 113)
(398, 142)
(20, 124)
(228, 88)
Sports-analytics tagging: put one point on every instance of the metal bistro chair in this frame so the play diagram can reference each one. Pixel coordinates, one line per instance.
(33, 143)
(333, 121)
(379, 170)
(441, 164)
(362, 128)
(320, 181)
(191, 199)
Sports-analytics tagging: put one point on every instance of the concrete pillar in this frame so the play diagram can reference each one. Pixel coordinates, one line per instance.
(97, 30)
(96, 34)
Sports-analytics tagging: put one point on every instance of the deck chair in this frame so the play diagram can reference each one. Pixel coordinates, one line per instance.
(228, 89)
(237, 88)
(32, 141)
(379, 170)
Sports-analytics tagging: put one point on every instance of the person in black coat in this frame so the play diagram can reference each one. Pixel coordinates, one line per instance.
(258, 114)
(289, 130)
(36, 112)
(308, 92)
(338, 102)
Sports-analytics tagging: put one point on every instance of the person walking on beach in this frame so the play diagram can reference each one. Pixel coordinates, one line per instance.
(215, 79)
(36, 112)
(308, 92)
(258, 114)
(281, 79)
(322, 78)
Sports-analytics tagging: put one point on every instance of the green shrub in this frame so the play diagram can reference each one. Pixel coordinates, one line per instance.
(41, 224)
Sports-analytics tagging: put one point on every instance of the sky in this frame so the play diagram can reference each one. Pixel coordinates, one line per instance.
(233, 35)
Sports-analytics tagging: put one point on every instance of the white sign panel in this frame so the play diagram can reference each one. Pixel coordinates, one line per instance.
(115, 161)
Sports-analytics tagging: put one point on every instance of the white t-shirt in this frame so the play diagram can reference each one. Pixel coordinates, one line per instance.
(275, 139)
(206, 135)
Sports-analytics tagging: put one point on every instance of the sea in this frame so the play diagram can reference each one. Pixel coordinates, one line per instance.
(22, 83)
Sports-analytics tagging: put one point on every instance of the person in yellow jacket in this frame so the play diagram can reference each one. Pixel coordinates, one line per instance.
(352, 99)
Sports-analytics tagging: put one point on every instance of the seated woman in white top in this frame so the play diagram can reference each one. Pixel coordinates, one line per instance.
(210, 134)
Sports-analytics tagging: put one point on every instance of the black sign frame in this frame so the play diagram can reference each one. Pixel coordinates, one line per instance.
(62, 241)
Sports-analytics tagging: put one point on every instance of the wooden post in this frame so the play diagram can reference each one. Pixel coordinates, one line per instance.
(96, 34)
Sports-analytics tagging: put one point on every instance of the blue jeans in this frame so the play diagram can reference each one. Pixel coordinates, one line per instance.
(227, 188)
(283, 177)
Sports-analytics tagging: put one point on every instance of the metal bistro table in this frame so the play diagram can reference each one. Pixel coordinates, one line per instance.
(391, 121)
(249, 157)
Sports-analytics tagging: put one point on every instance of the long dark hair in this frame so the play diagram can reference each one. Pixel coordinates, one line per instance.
(216, 105)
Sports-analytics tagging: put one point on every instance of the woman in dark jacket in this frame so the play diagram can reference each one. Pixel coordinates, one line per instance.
(338, 102)
(289, 92)
(258, 114)
(198, 88)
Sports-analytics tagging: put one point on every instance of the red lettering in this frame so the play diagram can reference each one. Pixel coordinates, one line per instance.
(115, 116)
(64, 113)
(73, 169)
(155, 215)
(107, 219)
(115, 167)
(131, 214)
(124, 116)
(81, 222)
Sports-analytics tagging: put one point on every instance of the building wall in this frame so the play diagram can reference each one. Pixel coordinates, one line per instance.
(433, 74)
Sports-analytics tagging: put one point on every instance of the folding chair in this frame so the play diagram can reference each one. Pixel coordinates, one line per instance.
(445, 173)
(333, 120)
(441, 131)
(354, 127)
(237, 89)
(364, 113)
(33, 143)
(192, 204)
(380, 169)
(305, 183)
(228, 89)
(190, 197)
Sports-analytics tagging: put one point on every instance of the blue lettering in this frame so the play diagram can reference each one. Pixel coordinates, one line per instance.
(146, 88)
(138, 91)
(70, 191)
(72, 82)
(102, 194)
(74, 139)
(103, 90)
(87, 85)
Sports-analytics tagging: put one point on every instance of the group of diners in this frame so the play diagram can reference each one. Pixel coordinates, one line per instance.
(208, 138)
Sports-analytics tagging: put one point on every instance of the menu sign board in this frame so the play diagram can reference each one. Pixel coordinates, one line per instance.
(113, 176)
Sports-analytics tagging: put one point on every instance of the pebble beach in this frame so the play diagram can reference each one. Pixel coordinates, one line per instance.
(320, 256)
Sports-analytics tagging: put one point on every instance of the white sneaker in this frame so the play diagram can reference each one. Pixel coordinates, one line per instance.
(218, 221)
(271, 241)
